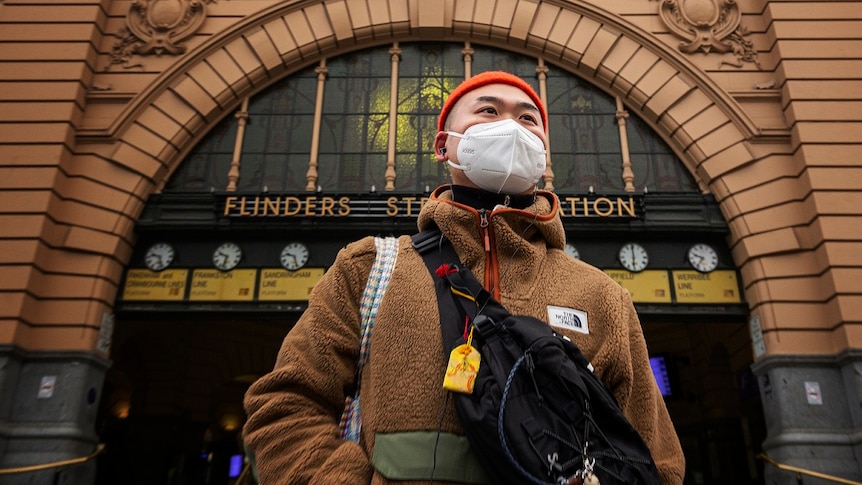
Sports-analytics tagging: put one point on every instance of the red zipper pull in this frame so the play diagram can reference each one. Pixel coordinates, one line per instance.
(483, 223)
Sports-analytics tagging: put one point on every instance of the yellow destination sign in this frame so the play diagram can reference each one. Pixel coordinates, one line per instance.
(651, 286)
(715, 287)
(284, 285)
(146, 285)
(215, 285)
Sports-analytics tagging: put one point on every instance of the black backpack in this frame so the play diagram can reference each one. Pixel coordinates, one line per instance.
(537, 413)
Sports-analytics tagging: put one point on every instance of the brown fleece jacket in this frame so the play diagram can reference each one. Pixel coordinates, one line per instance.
(293, 412)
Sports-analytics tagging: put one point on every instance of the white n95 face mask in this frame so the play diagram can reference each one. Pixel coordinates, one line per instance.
(501, 156)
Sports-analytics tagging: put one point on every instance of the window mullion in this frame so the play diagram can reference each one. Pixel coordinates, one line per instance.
(390, 175)
(468, 52)
(233, 172)
(628, 173)
(542, 73)
(311, 175)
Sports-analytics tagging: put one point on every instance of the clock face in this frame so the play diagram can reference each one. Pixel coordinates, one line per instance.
(703, 258)
(633, 257)
(227, 256)
(572, 251)
(294, 256)
(159, 256)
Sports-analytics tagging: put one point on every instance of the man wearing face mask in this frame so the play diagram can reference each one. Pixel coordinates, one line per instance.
(509, 234)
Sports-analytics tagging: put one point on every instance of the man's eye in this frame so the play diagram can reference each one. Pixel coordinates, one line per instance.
(488, 109)
(529, 118)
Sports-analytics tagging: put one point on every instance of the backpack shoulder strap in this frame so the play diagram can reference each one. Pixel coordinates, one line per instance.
(436, 250)
(429, 240)
(375, 288)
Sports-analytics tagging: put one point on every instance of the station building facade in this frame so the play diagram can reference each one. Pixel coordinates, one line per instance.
(177, 175)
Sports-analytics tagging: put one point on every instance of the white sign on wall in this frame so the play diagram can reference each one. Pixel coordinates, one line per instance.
(757, 343)
(46, 387)
(812, 393)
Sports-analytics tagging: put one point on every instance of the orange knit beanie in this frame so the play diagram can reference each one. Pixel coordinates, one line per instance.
(485, 78)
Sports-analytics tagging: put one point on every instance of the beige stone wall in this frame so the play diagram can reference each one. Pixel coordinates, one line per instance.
(60, 254)
(88, 132)
(798, 220)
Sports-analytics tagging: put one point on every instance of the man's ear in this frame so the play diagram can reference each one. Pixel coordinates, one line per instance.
(440, 146)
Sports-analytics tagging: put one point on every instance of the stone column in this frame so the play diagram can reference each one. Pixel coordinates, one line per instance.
(813, 411)
(49, 403)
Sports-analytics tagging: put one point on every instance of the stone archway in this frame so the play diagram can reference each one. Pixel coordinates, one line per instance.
(705, 127)
(700, 121)
(653, 80)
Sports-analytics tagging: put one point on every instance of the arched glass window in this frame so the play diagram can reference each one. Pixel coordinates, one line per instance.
(490, 59)
(275, 147)
(207, 166)
(585, 141)
(355, 124)
(427, 73)
(359, 147)
(654, 163)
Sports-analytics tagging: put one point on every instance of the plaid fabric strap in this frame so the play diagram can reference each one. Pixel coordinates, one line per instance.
(378, 280)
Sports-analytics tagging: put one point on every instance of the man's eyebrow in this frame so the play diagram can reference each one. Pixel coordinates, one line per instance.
(496, 100)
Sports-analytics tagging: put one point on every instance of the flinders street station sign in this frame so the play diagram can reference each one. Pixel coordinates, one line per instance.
(385, 205)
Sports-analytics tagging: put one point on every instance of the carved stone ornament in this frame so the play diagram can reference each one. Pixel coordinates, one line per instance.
(709, 26)
(157, 27)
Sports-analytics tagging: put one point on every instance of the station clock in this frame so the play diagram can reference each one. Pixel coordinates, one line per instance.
(159, 256)
(633, 257)
(294, 256)
(227, 256)
(703, 257)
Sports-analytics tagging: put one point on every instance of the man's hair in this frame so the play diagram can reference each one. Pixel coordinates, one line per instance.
(483, 79)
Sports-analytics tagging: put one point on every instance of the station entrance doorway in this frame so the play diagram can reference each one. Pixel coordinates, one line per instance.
(704, 370)
(172, 407)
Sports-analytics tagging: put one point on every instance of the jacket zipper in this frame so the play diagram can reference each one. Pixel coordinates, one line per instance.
(491, 270)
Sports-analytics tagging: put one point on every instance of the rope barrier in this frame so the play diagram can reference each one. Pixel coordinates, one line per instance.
(802, 471)
(57, 464)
